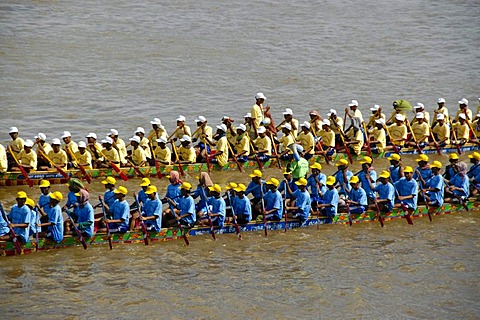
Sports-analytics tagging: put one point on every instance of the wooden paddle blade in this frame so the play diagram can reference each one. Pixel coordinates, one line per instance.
(157, 168)
(63, 173)
(409, 219)
(25, 174)
(85, 174)
(120, 173)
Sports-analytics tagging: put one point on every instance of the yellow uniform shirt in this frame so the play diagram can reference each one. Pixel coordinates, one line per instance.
(29, 159)
(336, 125)
(443, 111)
(3, 159)
(92, 153)
(294, 131)
(462, 131)
(315, 126)
(182, 132)
(46, 148)
(426, 115)
(72, 146)
(357, 147)
(83, 158)
(207, 130)
(111, 155)
(307, 141)
(144, 143)
(243, 144)
(232, 138)
(476, 127)
(421, 130)
(159, 133)
(374, 117)
(59, 158)
(358, 114)
(285, 141)
(328, 138)
(442, 132)
(263, 144)
(164, 155)
(16, 145)
(122, 149)
(222, 145)
(392, 117)
(187, 154)
(468, 112)
(380, 136)
(257, 114)
(251, 132)
(138, 155)
(398, 132)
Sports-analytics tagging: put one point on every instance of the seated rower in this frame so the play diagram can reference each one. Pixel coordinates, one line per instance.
(242, 207)
(83, 215)
(441, 132)
(421, 132)
(109, 154)
(231, 129)
(336, 124)
(120, 212)
(367, 176)
(378, 142)
(93, 146)
(287, 181)
(221, 152)
(420, 108)
(273, 209)
(343, 176)
(285, 142)
(204, 182)
(303, 202)
(27, 158)
(459, 186)
(298, 166)
(20, 217)
(183, 212)
(57, 155)
(142, 194)
(42, 145)
(423, 168)
(186, 152)
(376, 115)
(202, 149)
(461, 130)
(397, 111)
(317, 184)
(69, 147)
(3, 159)
(476, 129)
(442, 109)
(407, 191)
(357, 198)
(45, 196)
(182, 129)
(53, 212)
(474, 172)
(138, 157)
(250, 125)
(34, 217)
(434, 187)
(452, 169)
(263, 145)
(353, 105)
(288, 118)
(162, 153)
(463, 109)
(327, 140)
(158, 130)
(119, 145)
(257, 188)
(15, 146)
(152, 210)
(144, 143)
(315, 122)
(329, 207)
(84, 157)
(109, 196)
(173, 192)
(385, 191)
(74, 186)
(228, 197)
(354, 138)
(395, 169)
(217, 213)
(397, 132)
(306, 140)
(242, 144)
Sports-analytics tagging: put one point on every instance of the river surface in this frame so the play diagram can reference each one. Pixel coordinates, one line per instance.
(88, 66)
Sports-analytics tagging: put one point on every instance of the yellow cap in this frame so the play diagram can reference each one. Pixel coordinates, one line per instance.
(286, 171)
(474, 155)
(215, 188)
(44, 183)
(231, 185)
(301, 182)
(240, 188)
(330, 181)
(316, 165)
(342, 162)
(408, 169)
(453, 156)
(186, 186)
(273, 181)
(436, 164)
(109, 180)
(30, 202)
(354, 179)
(385, 174)
(422, 157)
(145, 182)
(394, 156)
(151, 189)
(57, 195)
(256, 173)
(77, 194)
(21, 195)
(366, 159)
(121, 189)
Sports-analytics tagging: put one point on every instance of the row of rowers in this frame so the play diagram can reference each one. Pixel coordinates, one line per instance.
(317, 136)
(314, 194)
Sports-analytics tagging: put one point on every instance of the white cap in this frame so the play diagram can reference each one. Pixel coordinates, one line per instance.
(261, 130)
(82, 144)
(440, 116)
(140, 129)
(266, 121)
(92, 135)
(41, 136)
(420, 115)
(181, 118)
(225, 118)
(478, 115)
(56, 141)
(135, 138)
(13, 130)
(353, 103)
(419, 106)
(185, 138)
(242, 127)
(28, 143)
(260, 95)
(66, 134)
(463, 101)
(222, 127)
(156, 121)
(108, 140)
(332, 111)
(103, 141)
(380, 121)
(326, 122)
(399, 117)
(288, 111)
(161, 139)
(201, 119)
(375, 108)
(248, 115)
(306, 124)
(113, 132)
(462, 115)
(287, 126)
(441, 100)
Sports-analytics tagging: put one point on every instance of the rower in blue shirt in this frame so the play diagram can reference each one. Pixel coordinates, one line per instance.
(287, 174)
(184, 211)
(458, 186)
(434, 187)
(357, 197)
(120, 212)
(452, 169)
(55, 217)
(474, 172)
(343, 176)
(303, 202)
(367, 175)
(273, 201)
(84, 214)
(152, 210)
(386, 192)
(218, 212)
(4, 229)
(20, 216)
(45, 196)
(142, 195)
(255, 187)
(396, 170)
(109, 196)
(33, 217)
(329, 207)
(423, 167)
(407, 189)
(241, 205)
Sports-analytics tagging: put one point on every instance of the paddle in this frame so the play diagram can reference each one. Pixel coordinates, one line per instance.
(284, 204)
(113, 165)
(404, 207)
(78, 232)
(60, 170)
(22, 169)
(275, 154)
(37, 221)
(435, 144)
(369, 149)
(424, 197)
(210, 223)
(157, 165)
(237, 228)
(170, 137)
(142, 223)
(420, 151)
(350, 222)
(16, 243)
(180, 168)
(182, 230)
(391, 140)
(459, 150)
(379, 213)
(136, 169)
(82, 168)
(265, 225)
(347, 149)
(109, 235)
(471, 129)
(234, 157)
(320, 142)
(259, 163)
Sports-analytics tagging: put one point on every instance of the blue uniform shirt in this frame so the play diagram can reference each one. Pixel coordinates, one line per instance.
(85, 214)
(436, 182)
(273, 200)
(142, 196)
(109, 198)
(460, 181)
(43, 200)
(4, 229)
(474, 171)
(331, 197)
(339, 179)
(71, 199)
(303, 203)
(242, 208)
(255, 190)
(218, 206)
(386, 191)
(174, 193)
(426, 173)
(21, 215)
(291, 184)
(187, 205)
(120, 210)
(55, 216)
(33, 222)
(153, 208)
(200, 192)
(366, 184)
(406, 188)
(394, 173)
(312, 184)
(359, 196)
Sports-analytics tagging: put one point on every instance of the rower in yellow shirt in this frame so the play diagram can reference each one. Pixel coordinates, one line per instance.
(336, 124)
(144, 143)
(221, 152)
(182, 129)
(441, 131)
(263, 145)
(249, 124)
(42, 145)
(16, 145)
(242, 144)
(354, 138)
(257, 110)
(83, 156)
(27, 158)
(379, 142)
(186, 152)
(162, 153)
(231, 130)
(463, 109)
(110, 154)
(158, 131)
(138, 157)
(356, 113)
(462, 130)
(376, 114)
(57, 155)
(420, 108)
(397, 110)
(203, 130)
(93, 146)
(398, 131)
(476, 127)
(327, 135)
(306, 139)
(3, 159)
(119, 145)
(288, 118)
(421, 131)
(315, 121)
(285, 142)
(442, 109)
